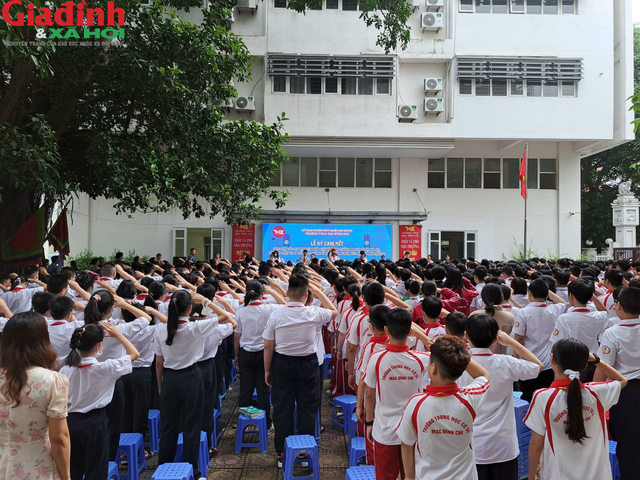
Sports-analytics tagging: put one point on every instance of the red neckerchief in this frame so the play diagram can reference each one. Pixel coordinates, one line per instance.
(397, 348)
(443, 391)
(563, 383)
(55, 324)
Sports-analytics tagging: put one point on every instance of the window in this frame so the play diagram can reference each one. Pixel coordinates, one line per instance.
(365, 86)
(466, 86)
(568, 7)
(279, 84)
(534, 88)
(316, 7)
(510, 173)
(550, 88)
(216, 242)
(348, 85)
(550, 7)
(492, 173)
(275, 179)
(466, 5)
(332, 4)
(383, 86)
(291, 173)
(548, 173)
(498, 87)
(309, 172)
(280, 3)
(500, 6)
(483, 87)
(516, 89)
(297, 84)
(568, 89)
(330, 85)
(532, 173)
(534, 7)
(179, 242)
(364, 172)
(436, 173)
(470, 240)
(346, 172)
(455, 173)
(483, 6)
(327, 172)
(350, 5)
(517, 6)
(382, 174)
(473, 173)
(314, 85)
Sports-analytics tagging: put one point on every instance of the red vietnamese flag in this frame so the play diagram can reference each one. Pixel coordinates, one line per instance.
(523, 176)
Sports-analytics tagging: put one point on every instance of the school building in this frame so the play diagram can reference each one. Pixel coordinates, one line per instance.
(431, 135)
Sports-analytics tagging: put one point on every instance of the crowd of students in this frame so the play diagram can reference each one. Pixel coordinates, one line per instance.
(433, 351)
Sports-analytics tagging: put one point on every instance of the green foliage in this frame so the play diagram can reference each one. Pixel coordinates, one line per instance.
(128, 258)
(390, 17)
(520, 256)
(83, 259)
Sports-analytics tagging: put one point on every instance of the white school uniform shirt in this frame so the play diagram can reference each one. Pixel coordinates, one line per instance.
(213, 342)
(619, 348)
(522, 300)
(376, 344)
(142, 341)
(413, 301)
(396, 373)
(359, 333)
(252, 321)
(91, 383)
(477, 303)
(562, 458)
(112, 282)
(401, 289)
(581, 324)
(230, 299)
(60, 332)
(3, 322)
(563, 293)
(294, 329)
(439, 423)
(19, 299)
(495, 438)
(535, 323)
(188, 343)
(609, 302)
(112, 348)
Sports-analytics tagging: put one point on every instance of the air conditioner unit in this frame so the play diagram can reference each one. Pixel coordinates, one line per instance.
(431, 21)
(245, 104)
(435, 5)
(433, 105)
(248, 3)
(414, 3)
(432, 85)
(407, 113)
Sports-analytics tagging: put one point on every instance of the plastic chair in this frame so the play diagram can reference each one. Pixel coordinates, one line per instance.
(234, 373)
(346, 403)
(523, 463)
(296, 445)
(203, 453)
(613, 460)
(261, 423)
(357, 450)
(173, 471)
(327, 368)
(154, 431)
(366, 472)
(215, 436)
(318, 431)
(132, 445)
(113, 473)
(353, 426)
(521, 408)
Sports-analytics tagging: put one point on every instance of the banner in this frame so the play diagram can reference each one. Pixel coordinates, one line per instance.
(291, 239)
(243, 241)
(24, 247)
(59, 235)
(410, 240)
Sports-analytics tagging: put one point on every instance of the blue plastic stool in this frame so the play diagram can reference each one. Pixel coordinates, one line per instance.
(353, 426)
(154, 431)
(357, 450)
(296, 445)
(347, 403)
(112, 473)
(215, 436)
(326, 367)
(234, 372)
(255, 396)
(224, 389)
(132, 445)
(367, 472)
(517, 394)
(521, 408)
(261, 423)
(174, 471)
(203, 453)
(523, 462)
(613, 460)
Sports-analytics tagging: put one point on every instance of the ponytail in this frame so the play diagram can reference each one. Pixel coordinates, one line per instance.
(95, 310)
(491, 296)
(178, 305)
(83, 339)
(572, 356)
(255, 289)
(355, 292)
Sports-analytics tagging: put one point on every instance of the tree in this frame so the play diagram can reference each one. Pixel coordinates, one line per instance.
(601, 173)
(138, 122)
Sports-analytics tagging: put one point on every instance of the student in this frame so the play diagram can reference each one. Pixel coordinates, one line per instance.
(291, 362)
(333, 255)
(460, 285)
(533, 327)
(619, 348)
(520, 291)
(438, 424)
(568, 420)
(495, 439)
(62, 326)
(479, 277)
(91, 385)
(562, 280)
(249, 346)
(612, 281)
(431, 310)
(414, 291)
(507, 274)
(450, 302)
(18, 299)
(178, 346)
(455, 325)
(40, 304)
(392, 376)
(304, 258)
(493, 299)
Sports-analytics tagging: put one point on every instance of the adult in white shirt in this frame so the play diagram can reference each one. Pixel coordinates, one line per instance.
(495, 439)
(291, 362)
(437, 426)
(568, 420)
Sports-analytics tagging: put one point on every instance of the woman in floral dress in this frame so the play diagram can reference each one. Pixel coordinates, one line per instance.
(34, 438)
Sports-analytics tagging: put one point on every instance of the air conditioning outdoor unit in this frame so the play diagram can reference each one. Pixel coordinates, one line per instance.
(247, 6)
(407, 113)
(434, 5)
(245, 104)
(431, 21)
(432, 85)
(414, 3)
(433, 105)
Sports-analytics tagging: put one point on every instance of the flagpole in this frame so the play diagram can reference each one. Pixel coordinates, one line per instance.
(526, 178)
